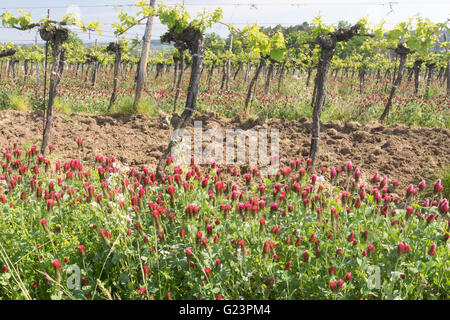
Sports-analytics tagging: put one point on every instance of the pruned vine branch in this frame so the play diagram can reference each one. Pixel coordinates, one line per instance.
(7, 53)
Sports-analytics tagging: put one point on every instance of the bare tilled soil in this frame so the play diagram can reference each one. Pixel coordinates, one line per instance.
(399, 152)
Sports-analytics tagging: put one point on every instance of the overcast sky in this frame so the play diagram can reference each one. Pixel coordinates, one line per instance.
(237, 12)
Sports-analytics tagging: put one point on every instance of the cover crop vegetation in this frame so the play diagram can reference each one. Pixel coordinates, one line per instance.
(216, 232)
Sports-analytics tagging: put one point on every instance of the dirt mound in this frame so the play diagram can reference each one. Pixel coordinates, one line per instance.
(399, 152)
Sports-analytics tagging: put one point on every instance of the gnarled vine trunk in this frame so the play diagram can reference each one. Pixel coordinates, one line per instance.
(247, 70)
(402, 52)
(309, 76)
(224, 75)
(94, 73)
(268, 78)
(180, 77)
(262, 63)
(159, 70)
(237, 70)
(227, 71)
(430, 68)
(194, 41)
(416, 69)
(448, 78)
(115, 47)
(280, 78)
(210, 74)
(362, 75)
(55, 79)
(175, 72)
(327, 44)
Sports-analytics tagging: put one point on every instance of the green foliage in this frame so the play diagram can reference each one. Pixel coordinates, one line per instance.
(63, 106)
(172, 250)
(126, 22)
(319, 27)
(446, 182)
(74, 48)
(18, 102)
(214, 43)
(273, 47)
(23, 21)
(74, 20)
(417, 34)
(177, 18)
(124, 106)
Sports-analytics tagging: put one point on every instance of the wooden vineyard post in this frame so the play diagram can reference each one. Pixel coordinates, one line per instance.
(142, 68)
